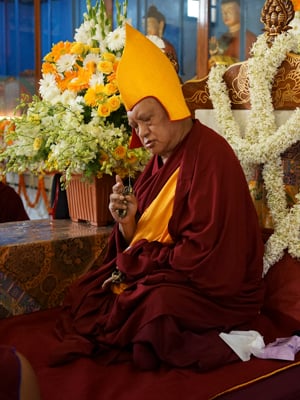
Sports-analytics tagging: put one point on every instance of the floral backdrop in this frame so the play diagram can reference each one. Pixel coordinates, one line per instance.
(262, 143)
(78, 124)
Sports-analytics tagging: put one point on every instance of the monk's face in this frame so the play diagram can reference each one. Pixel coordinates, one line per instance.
(151, 122)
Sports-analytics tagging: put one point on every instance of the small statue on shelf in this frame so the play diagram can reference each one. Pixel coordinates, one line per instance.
(226, 48)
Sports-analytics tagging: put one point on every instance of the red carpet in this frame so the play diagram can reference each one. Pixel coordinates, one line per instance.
(87, 379)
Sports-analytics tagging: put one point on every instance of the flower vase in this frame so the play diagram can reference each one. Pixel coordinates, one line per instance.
(88, 201)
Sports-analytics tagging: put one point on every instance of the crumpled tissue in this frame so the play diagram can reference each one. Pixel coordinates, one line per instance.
(281, 349)
(243, 342)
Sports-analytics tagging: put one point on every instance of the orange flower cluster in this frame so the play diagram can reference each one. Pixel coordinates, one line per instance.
(6, 127)
(296, 4)
(76, 78)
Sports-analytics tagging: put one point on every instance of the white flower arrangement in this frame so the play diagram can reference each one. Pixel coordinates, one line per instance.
(262, 142)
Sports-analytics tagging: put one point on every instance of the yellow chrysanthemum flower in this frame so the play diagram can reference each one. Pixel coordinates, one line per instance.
(90, 97)
(79, 48)
(106, 67)
(94, 95)
(108, 57)
(94, 50)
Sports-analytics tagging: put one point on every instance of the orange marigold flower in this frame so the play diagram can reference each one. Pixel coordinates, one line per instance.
(91, 67)
(59, 49)
(119, 152)
(81, 81)
(9, 142)
(48, 68)
(6, 126)
(63, 83)
(132, 158)
(8, 129)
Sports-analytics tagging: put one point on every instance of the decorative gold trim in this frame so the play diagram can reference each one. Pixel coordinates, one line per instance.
(260, 378)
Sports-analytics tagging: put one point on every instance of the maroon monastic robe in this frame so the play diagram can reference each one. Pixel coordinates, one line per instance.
(181, 295)
(10, 373)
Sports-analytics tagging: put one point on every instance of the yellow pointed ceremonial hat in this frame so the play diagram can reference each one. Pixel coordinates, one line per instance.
(145, 71)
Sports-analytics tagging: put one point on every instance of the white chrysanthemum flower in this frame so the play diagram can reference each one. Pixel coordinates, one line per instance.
(83, 34)
(76, 104)
(116, 40)
(157, 41)
(91, 57)
(67, 97)
(66, 62)
(55, 99)
(48, 88)
(97, 79)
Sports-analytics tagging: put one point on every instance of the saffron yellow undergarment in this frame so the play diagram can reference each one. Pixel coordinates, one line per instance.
(153, 224)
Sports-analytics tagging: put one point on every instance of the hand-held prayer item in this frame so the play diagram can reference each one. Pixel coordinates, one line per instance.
(126, 191)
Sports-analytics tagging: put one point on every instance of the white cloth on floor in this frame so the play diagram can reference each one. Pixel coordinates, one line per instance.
(243, 343)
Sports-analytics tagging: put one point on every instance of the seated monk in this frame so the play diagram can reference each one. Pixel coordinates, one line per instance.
(18, 380)
(185, 258)
(11, 205)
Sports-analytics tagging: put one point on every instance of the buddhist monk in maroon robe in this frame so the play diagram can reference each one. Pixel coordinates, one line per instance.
(184, 261)
(11, 205)
(18, 379)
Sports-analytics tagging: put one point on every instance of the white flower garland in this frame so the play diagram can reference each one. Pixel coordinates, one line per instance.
(263, 142)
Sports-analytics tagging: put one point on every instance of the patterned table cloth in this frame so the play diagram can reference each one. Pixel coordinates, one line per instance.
(40, 258)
